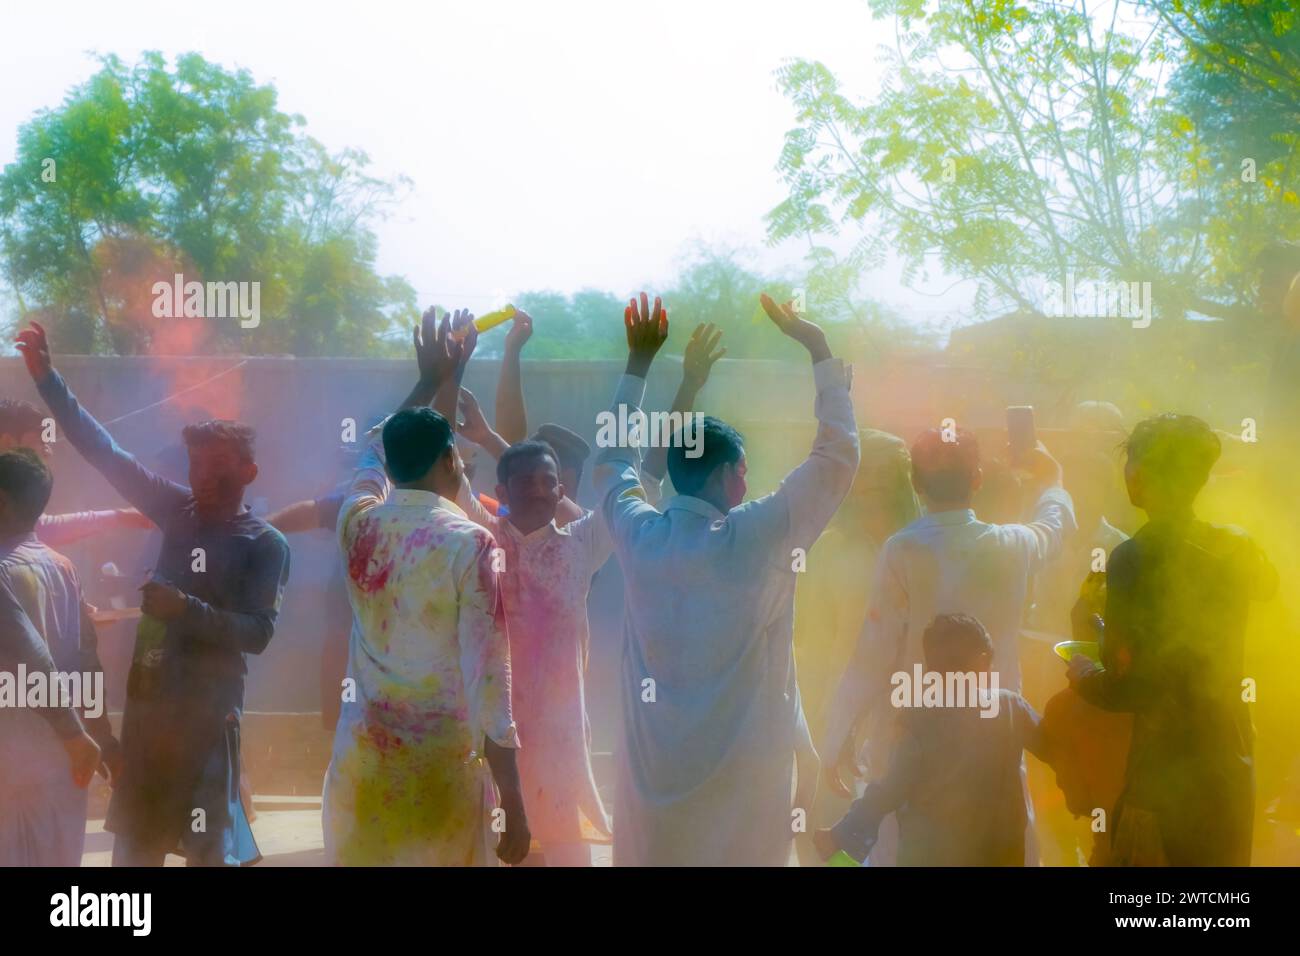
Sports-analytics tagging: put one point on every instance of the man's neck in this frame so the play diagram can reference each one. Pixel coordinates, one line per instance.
(221, 515)
(936, 507)
(530, 527)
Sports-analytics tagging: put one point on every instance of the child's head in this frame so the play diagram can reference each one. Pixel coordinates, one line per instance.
(1169, 462)
(946, 473)
(957, 643)
(528, 481)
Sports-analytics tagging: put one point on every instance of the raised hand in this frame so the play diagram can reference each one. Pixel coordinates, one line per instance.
(36, 351)
(808, 334)
(700, 355)
(646, 333)
(521, 330)
(474, 424)
(440, 354)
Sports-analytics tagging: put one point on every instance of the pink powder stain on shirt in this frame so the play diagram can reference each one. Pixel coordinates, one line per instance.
(360, 558)
(419, 538)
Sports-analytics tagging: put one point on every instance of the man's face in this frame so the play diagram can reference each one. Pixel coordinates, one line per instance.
(533, 492)
(219, 473)
(30, 440)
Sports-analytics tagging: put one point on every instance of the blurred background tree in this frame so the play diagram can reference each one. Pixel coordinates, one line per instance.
(193, 170)
(1016, 142)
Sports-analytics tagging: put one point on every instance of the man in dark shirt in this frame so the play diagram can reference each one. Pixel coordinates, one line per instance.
(1172, 649)
(214, 597)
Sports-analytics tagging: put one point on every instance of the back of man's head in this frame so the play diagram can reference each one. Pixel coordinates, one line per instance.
(1173, 455)
(946, 465)
(718, 443)
(25, 484)
(414, 440)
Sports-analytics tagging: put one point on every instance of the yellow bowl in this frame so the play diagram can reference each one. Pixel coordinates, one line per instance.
(1068, 649)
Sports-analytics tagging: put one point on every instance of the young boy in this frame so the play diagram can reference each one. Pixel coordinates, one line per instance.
(954, 781)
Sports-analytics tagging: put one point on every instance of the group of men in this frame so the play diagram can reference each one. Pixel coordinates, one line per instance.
(463, 735)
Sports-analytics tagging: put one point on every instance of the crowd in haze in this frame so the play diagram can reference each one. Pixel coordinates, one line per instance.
(462, 735)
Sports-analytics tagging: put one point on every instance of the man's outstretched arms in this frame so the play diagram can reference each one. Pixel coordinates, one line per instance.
(154, 495)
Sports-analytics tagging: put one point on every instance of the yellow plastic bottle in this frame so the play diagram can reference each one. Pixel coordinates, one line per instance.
(489, 321)
(493, 319)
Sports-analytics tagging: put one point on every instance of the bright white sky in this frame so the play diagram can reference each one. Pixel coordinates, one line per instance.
(552, 145)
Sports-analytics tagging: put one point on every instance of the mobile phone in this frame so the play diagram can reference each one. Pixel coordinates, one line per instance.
(1020, 431)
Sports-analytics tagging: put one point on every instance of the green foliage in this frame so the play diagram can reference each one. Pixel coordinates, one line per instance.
(1017, 142)
(715, 285)
(192, 170)
(1239, 87)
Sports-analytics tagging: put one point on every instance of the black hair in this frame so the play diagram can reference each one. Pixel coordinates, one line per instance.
(719, 444)
(954, 642)
(18, 418)
(223, 431)
(414, 440)
(945, 470)
(1175, 452)
(27, 483)
(521, 451)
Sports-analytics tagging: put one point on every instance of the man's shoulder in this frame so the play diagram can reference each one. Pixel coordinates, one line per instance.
(261, 530)
(458, 529)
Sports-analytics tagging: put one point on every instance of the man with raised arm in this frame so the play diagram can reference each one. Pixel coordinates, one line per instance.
(213, 598)
(711, 707)
(428, 656)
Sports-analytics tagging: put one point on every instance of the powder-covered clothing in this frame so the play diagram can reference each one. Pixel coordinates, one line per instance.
(42, 811)
(180, 737)
(429, 656)
(544, 585)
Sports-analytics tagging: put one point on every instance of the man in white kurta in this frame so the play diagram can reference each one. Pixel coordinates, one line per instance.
(544, 584)
(710, 701)
(945, 562)
(429, 655)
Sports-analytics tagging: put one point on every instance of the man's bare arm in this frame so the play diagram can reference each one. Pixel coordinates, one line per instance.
(511, 414)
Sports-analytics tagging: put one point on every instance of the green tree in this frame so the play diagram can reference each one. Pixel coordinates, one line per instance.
(713, 284)
(192, 170)
(1015, 142)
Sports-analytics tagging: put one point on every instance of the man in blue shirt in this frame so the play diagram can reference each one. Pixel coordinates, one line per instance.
(213, 598)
